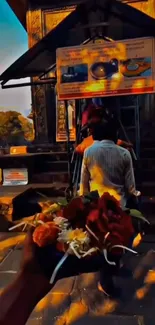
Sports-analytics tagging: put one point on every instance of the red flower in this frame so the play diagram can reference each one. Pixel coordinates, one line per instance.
(109, 205)
(111, 225)
(76, 212)
(61, 247)
(46, 234)
(42, 217)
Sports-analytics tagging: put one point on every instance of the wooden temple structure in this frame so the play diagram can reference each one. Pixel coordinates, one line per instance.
(51, 24)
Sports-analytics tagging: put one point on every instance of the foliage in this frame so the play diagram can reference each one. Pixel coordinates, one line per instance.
(14, 127)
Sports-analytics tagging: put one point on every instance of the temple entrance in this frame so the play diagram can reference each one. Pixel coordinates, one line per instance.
(88, 22)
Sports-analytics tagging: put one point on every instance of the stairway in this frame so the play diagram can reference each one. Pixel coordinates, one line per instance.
(148, 177)
(46, 170)
(52, 168)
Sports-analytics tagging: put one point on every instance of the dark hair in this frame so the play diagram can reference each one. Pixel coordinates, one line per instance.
(105, 126)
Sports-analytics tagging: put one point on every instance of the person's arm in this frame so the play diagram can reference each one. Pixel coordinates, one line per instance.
(31, 284)
(129, 174)
(18, 300)
(85, 176)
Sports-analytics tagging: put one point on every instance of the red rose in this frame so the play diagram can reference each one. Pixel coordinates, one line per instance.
(76, 212)
(46, 234)
(110, 224)
(108, 203)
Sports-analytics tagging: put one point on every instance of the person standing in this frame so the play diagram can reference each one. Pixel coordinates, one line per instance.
(107, 166)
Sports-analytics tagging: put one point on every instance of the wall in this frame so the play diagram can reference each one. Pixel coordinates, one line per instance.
(146, 7)
(40, 21)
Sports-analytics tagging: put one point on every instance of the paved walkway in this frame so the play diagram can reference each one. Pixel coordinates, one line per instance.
(77, 300)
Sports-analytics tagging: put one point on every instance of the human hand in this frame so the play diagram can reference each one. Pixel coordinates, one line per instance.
(42, 261)
(31, 284)
(38, 264)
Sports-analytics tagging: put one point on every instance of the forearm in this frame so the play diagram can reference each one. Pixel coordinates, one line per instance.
(19, 299)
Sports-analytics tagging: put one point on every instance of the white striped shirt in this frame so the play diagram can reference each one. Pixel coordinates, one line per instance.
(107, 167)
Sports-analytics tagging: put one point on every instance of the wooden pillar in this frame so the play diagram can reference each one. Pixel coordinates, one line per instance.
(51, 18)
(40, 22)
(35, 34)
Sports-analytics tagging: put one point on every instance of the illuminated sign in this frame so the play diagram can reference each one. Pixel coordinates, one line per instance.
(106, 69)
(12, 177)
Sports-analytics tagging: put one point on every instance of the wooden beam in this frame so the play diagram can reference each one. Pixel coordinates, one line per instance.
(20, 8)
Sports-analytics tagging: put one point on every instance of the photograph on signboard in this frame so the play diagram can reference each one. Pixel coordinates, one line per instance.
(136, 67)
(76, 73)
(104, 70)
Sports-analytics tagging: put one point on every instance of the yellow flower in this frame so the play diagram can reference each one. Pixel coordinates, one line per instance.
(77, 235)
(53, 208)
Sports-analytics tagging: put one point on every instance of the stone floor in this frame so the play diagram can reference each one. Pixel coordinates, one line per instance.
(76, 300)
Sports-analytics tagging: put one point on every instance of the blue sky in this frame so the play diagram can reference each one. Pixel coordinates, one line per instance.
(13, 43)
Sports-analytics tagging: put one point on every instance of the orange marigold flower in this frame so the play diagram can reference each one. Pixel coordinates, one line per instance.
(46, 234)
(42, 217)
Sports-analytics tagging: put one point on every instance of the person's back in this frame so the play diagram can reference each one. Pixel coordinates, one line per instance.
(106, 166)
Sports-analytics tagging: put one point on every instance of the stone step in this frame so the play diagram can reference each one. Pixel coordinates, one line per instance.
(147, 143)
(54, 190)
(27, 198)
(31, 160)
(57, 156)
(147, 205)
(50, 177)
(147, 163)
(52, 166)
(147, 189)
(148, 175)
(147, 153)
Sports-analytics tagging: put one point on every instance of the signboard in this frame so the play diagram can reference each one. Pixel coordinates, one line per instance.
(61, 121)
(106, 69)
(12, 177)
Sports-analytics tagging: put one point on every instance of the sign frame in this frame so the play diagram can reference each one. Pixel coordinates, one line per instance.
(70, 61)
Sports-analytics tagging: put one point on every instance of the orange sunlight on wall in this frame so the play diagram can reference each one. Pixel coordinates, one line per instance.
(147, 7)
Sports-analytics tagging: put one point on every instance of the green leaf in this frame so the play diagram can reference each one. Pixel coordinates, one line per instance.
(137, 214)
(92, 196)
(63, 202)
(86, 200)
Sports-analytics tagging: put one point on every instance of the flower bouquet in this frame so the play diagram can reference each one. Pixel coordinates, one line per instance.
(85, 226)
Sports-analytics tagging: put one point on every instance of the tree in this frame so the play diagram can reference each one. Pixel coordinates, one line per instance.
(15, 128)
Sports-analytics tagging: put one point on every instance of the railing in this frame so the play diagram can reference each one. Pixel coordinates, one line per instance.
(76, 160)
